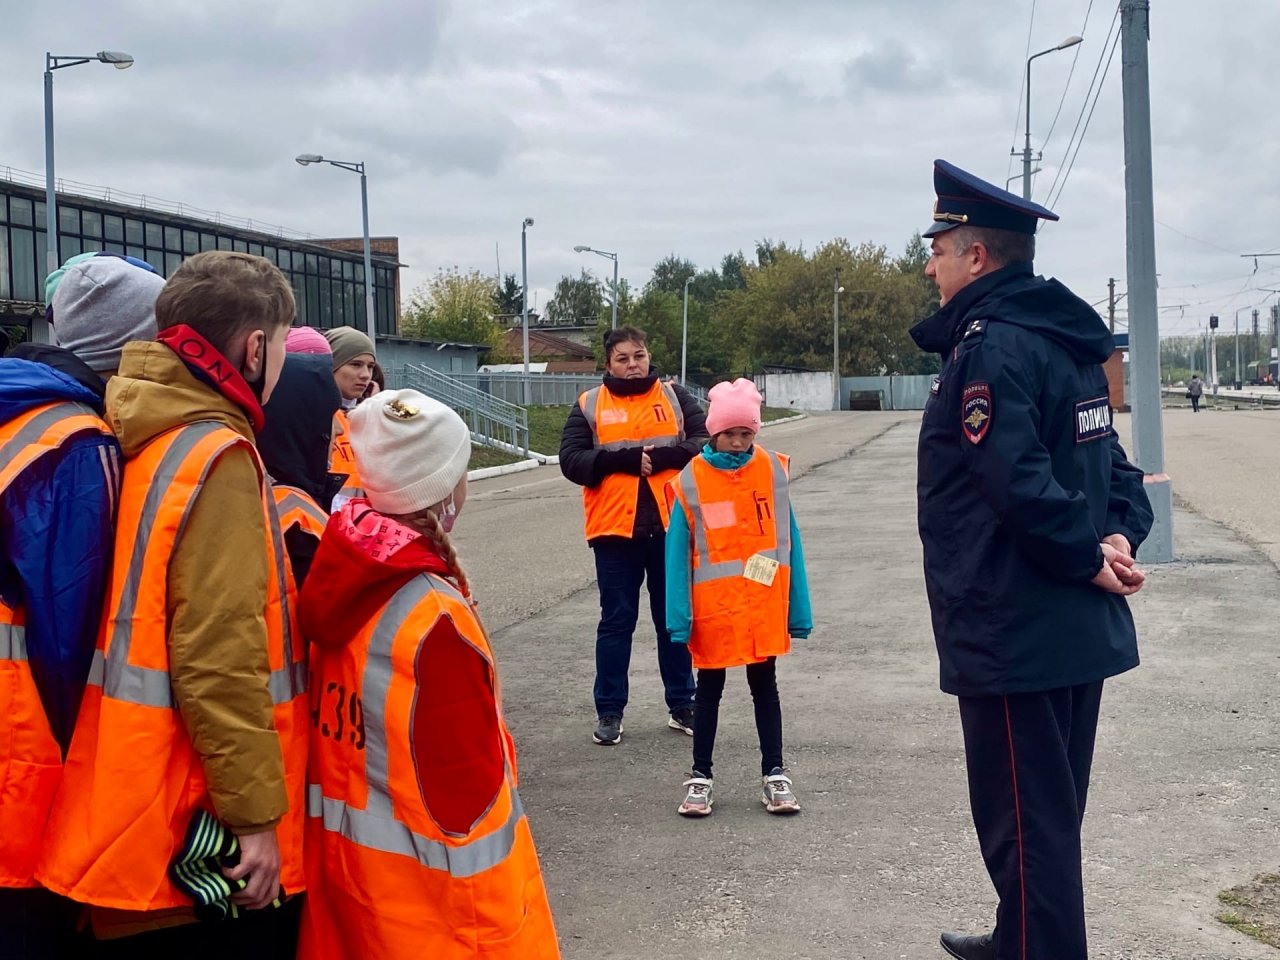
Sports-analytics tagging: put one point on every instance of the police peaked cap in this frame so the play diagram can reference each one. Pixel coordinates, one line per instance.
(966, 200)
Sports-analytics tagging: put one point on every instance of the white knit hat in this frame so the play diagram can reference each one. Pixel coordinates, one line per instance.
(411, 450)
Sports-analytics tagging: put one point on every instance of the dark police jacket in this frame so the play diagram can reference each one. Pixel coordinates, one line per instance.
(1020, 477)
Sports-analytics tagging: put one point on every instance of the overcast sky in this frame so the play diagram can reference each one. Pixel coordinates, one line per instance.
(656, 127)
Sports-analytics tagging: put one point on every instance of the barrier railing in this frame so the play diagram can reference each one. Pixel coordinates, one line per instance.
(491, 419)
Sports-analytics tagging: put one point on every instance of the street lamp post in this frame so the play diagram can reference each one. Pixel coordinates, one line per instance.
(121, 61)
(1017, 176)
(524, 303)
(1026, 146)
(304, 159)
(684, 333)
(835, 339)
(582, 248)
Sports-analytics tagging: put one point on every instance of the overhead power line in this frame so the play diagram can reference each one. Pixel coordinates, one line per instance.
(1079, 142)
(1084, 32)
(1084, 107)
(1022, 83)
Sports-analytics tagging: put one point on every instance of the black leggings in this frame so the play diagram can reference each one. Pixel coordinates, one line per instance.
(762, 679)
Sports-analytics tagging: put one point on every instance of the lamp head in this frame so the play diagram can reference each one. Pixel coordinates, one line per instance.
(1069, 42)
(121, 61)
(528, 221)
(305, 158)
(581, 249)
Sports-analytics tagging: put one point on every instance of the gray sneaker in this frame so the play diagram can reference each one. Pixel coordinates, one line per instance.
(697, 798)
(609, 732)
(778, 797)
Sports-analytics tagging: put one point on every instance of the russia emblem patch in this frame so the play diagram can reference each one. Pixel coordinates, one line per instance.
(975, 410)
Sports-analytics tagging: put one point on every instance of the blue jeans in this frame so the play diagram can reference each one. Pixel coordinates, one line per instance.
(621, 568)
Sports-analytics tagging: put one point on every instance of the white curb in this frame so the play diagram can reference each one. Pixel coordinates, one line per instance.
(798, 416)
(485, 473)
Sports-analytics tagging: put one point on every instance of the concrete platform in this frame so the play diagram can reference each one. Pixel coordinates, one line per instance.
(1184, 800)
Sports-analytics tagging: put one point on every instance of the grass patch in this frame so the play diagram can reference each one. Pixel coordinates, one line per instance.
(482, 457)
(1255, 909)
(546, 424)
(778, 413)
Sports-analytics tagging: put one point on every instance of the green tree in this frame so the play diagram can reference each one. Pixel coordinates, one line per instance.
(670, 273)
(510, 299)
(455, 307)
(575, 299)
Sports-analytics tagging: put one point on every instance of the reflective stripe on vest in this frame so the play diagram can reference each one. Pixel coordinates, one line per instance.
(705, 571)
(297, 509)
(591, 401)
(23, 445)
(375, 826)
(13, 642)
(148, 686)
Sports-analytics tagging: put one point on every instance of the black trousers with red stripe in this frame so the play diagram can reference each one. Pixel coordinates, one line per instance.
(1028, 757)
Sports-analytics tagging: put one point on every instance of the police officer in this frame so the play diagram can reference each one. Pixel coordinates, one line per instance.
(1030, 515)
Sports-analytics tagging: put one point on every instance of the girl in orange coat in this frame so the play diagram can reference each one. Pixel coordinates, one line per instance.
(417, 843)
(736, 585)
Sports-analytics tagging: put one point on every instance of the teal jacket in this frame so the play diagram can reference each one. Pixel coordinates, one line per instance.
(679, 563)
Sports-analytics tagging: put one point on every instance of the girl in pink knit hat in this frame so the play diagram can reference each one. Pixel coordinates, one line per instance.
(737, 591)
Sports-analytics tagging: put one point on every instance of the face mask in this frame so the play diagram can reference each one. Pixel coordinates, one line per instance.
(448, 514)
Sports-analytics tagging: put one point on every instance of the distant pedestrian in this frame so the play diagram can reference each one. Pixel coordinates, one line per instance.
(622, 442)
(1030, 515)
(737, 591)
(1195, 390)
(417, 842)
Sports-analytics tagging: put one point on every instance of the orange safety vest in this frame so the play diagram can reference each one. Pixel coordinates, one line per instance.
(342, 459)
(133, 780)
(297, 509)
(30, 758)
(734, 516)
(648, 419)
(393, 871)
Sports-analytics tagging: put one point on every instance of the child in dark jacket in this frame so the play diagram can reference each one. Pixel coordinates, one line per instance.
(737, 591)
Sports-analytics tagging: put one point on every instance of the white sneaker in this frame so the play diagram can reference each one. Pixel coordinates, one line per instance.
(697, 799)
(778, 797)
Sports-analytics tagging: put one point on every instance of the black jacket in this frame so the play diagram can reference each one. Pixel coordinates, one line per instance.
(294, 443)
(587, 466)
(1020, 476)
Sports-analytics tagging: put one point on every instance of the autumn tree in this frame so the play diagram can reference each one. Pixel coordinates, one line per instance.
(455, 307)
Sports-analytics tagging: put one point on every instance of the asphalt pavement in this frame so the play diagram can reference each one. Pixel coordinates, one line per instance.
(883, 856)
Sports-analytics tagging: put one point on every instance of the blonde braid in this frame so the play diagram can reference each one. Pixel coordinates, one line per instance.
(429, 524)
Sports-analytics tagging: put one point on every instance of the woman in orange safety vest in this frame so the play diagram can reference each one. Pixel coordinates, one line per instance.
(417, 842)
(736, 584)
(353, 368)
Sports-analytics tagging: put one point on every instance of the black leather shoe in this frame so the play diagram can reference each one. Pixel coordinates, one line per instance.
(964, 947)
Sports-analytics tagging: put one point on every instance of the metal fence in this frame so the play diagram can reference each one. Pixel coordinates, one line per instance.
(896, 392)
(492, 420)
(543, 389)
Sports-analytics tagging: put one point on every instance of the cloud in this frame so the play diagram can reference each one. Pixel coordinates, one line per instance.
(651, 128)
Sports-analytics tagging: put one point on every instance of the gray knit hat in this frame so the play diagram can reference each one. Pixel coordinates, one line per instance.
(348, 343)
(101, 304)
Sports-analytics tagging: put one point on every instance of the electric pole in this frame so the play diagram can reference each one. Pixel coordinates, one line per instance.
(1144, 325)
(1111, 303)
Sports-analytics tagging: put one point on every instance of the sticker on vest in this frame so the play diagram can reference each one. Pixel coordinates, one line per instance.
(719, 514)
(761, 569)
(935, 386)
(975, 410)
(612, 416)
(1093, 419)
